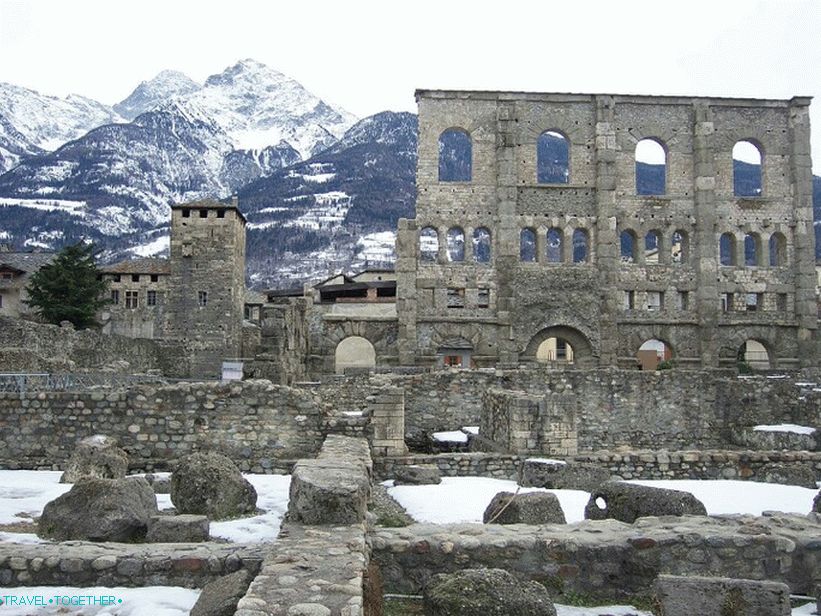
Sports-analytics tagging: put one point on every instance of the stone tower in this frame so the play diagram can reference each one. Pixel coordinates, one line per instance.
(207, 282)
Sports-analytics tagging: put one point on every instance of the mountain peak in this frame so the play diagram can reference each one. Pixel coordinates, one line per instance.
(152, 93)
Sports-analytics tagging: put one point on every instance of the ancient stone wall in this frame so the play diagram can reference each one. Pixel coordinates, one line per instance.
(499, 305)
(282, 352)
(26, 346)
(260, 426)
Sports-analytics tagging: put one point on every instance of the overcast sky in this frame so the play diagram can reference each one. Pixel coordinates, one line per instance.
(368, 56)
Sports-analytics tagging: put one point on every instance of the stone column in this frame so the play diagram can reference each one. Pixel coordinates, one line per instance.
(387, 410)
(406, 302)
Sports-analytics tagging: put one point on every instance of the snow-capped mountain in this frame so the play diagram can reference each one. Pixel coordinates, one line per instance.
(33, 123)
(154, 92)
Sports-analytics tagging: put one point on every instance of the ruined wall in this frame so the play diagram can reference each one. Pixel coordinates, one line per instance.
(26, 346)
(260, 426)
(580, 295)
(282, 350)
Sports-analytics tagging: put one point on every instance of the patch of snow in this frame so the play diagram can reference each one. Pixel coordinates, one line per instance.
(602, 610)
(454, 436)
(802, 384)
(27, 492)
(377, 247)
(146, 601)
(546, 461)
(154, 247)
(352, 413)
(75, 208)
(792, 428)
(808, 609)
(778, 376)
(272, 497)
(470, 430)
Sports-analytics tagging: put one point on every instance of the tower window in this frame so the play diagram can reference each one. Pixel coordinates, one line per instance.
(135, 278)
(151, 298)
(203, 213)
(202, 298)
(186, 213)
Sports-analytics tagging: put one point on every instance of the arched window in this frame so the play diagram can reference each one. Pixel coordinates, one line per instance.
(552, 158)
(556, 350)
(651, 167)
(354, 352)
(481, 245)
(652, 352)
(456, 244)
(455, 156)
(581, 246)
(628, 246)
(555, 245)
(747, 169)
(652, 247)
(778, 250)
(428, 244)
(752, 249)
(679, 247)
(726, 249)
(527, 245)
(755, 355)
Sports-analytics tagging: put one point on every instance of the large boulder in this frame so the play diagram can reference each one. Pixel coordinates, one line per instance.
(185, 528)
(488, 592)
(787, 474)
(100, 510)
(816, 503)
(96, 456)
(221, 596)
(708, 596)
(210, 484)
(416, 474)
(627, 502)
(560, 475)
(527, 508)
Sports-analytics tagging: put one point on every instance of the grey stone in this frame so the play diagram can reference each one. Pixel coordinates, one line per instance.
(527, 508)
(788, 474)
(185, 528)
(627, 502)
(328, 492)
(100, 510)
(816, 503)
(220, 597)
(416, 474)
(96, 456)
(708, 596)
(210, 484)
(558, 475)
(485, 592)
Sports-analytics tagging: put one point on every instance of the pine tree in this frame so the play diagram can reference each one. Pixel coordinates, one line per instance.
(70, 288)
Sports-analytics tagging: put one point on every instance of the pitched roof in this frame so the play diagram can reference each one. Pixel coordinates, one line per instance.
(26, 261)
(144, 265)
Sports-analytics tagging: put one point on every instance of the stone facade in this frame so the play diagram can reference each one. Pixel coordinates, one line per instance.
(139, 293)
(500, 308)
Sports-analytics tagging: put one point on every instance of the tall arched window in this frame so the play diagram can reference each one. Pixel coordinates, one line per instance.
(581, 246)
(527, 245)
(679, 247)
(456, 244)
(455, 156)
(752, 249)
(747, 169)
(428, 244)
(628, 246)
(555, 245)
(727, 249)
(651, 167)
(652, 247)
(552, 158)
(778, 250)
(481, 245)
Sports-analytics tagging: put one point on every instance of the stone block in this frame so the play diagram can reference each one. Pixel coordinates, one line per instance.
(527, 508)
(328, 492)
(558, 475)
(627, 502)
(706, 596)
(416, 474)
(221, 596)
(186, 528)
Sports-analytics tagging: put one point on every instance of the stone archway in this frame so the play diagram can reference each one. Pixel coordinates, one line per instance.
(581, 349)
(354, 352)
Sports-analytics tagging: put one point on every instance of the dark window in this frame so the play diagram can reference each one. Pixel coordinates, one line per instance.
(727, 300)
(752, 249)
(481, 245)
(581, 246)
(135, 278)
(186, 213)
(455, 156)
(151, 298)
(131, 299)
(552, 158)
(202, 298)
(203, 213)
(628, 246)
(555, 245)
(154, 277)
(527, 245)
(220, 213)
(115, 297)
(117, 278)
(727, 252)
(778, 250)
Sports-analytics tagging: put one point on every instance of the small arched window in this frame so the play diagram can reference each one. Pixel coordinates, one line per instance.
(455, 156)
(552, 158)
(428, 244)
(481, 245)
(628, 246)
(727, 249)
(652, 247)
(527, 245)
(679, 247)
(456, 244)
(651, 167)
(752, 249)
(581, 246)
(555, 245)
(778, 250)
(747, 169)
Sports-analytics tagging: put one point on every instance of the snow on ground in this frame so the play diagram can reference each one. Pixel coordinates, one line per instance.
(147, 601)
(75, 208)
(785, 428)
(470, 430)
(455, 436)
(377, 247)
(154, 247)
(464, 499)
(27, 492)
(604, 610)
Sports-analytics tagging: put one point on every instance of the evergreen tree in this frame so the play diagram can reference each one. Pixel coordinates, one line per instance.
(70, 288)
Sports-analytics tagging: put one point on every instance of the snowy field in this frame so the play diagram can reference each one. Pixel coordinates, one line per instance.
(23, 494)
(147, 601)
(467, 497)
